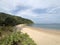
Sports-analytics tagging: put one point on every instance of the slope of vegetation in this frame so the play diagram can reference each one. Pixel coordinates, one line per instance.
(7, 19)
(8, 32)
(14, 38)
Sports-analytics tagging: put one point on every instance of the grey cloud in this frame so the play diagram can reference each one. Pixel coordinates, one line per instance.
(55, 11)
(19, 8)
(40, 11)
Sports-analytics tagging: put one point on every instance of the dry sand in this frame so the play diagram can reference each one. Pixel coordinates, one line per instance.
(43, 36)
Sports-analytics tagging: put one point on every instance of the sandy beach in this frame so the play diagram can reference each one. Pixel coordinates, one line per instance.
(43, 36)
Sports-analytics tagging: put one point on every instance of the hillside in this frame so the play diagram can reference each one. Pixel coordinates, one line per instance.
(7, 19)
(9, 34)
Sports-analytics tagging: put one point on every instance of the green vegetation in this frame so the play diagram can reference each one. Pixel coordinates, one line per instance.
(8, 33)
(7, 20)
(15, 38)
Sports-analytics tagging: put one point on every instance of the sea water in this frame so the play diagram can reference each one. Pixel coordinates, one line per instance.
(47, 26)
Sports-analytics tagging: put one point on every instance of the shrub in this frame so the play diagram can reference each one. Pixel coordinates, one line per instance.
(17, 38)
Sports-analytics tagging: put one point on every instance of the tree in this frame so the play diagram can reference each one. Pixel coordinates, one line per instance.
(9, 21)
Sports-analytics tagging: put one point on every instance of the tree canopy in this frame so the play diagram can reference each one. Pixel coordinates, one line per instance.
(8, 19)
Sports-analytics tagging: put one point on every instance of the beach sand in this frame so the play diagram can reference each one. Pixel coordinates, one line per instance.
(43, 36)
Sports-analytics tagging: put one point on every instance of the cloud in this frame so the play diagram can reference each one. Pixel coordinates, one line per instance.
(41, 3)
(19, 8)
(55, 11)
(26, 13)
(51, 10)
(47, 18)
(42, 11)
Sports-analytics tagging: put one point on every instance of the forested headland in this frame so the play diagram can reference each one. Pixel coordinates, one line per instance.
(8, 19)
(8, 32)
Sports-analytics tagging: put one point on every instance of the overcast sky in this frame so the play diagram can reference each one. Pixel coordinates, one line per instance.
(40, 11)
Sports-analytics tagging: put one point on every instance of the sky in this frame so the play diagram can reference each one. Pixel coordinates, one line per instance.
(39, 11)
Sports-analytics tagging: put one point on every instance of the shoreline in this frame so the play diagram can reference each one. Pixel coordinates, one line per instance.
(52, 31)
(42, 36)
